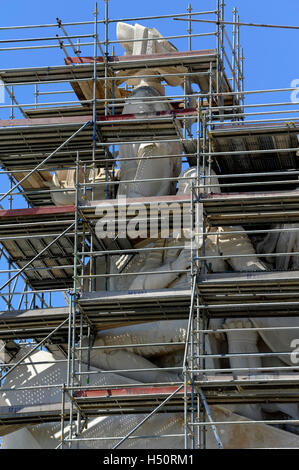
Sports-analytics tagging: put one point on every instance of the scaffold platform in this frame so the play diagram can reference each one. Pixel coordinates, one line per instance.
(250, 294)
(34, 323)
(245, 147)
(107, 307)
(251, 208)
(24, 233)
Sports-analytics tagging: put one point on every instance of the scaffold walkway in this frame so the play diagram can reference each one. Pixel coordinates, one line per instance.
(128, 307)
(107, 401)
(251, 208)
(248, 147)
(25, 233)
(249, 294)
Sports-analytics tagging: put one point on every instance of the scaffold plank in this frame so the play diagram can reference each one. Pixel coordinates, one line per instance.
(156, 127)
(34, 323)
(26, 415)
(25, 232)
(103, 309)
(24, 143)
(135, 306)
(82, 68)
(220, 209)
(253, 294)
(227, 281)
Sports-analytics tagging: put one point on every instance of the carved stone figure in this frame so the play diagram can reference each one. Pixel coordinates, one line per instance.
(145, 100)
(63, 185)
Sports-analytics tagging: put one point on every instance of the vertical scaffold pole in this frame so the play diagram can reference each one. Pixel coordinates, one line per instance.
(242, 79)
(234, 65)
(106, 114)
(238, 56)
(69, 368)
(186, 366)
(189, 9)
(12, 115)
(201, 227)
(62, 417)
(222, 54)
(72, 310)
(218, 49)
(36, 93)
(94, 108)
(106, 92)
(94, 143)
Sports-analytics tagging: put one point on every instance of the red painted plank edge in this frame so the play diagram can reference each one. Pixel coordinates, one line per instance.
(37, 211)
(124, 117)
(45, 121)
(129, 392)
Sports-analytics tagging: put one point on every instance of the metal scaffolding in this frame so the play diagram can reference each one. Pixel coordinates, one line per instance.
(50, 275)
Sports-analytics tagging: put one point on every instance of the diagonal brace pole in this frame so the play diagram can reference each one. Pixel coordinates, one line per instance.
(22, 276)
(148, 417)
(45, 160)
(37, 256)
(208, 411)
(34, 349)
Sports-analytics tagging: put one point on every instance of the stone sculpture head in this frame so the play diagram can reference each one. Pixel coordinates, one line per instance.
(141, 40)
(185, 181)
(189, 175)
